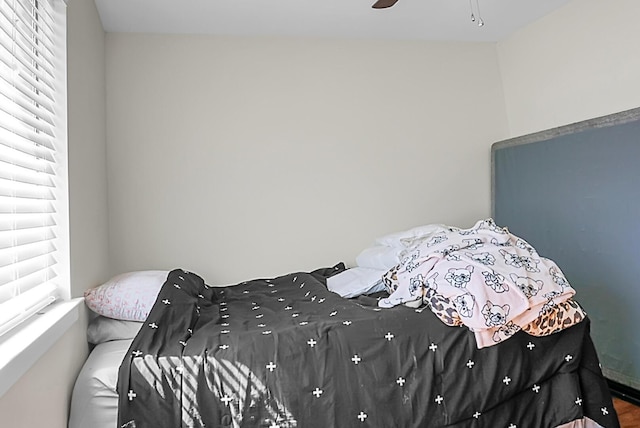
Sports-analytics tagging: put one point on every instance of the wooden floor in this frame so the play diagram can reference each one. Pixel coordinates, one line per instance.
(628, 414)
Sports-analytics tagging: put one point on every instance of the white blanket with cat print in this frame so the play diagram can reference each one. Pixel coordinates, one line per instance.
(496, 281)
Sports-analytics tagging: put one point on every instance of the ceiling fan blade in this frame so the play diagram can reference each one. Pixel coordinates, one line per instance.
(382, 4)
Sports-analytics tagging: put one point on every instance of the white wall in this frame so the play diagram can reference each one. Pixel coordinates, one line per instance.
(41, 397)
(88, 217)
(578, 63)
(244, 157)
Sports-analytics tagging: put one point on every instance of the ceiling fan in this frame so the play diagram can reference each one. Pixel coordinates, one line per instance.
(382, 4)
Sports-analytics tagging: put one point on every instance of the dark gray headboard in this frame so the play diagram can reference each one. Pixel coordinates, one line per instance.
(574, 194)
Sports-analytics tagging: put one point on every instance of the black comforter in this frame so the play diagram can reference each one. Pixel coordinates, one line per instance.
(286, 352)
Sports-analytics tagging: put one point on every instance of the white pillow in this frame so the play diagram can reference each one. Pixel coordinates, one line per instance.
(405, 238)
(379, 257)
(356, 281)
(128, 296)
(102, 329)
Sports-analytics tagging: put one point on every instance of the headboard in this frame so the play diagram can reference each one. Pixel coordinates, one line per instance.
(574, 194)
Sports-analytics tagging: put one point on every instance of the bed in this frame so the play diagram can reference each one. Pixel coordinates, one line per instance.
(291, 351)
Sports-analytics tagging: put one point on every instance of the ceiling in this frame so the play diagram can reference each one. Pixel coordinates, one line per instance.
(437, 20)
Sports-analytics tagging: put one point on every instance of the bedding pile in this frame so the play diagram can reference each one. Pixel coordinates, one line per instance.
(487, 279)
(288, 352)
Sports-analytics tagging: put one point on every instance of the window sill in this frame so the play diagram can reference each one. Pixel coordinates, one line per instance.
(24, 345)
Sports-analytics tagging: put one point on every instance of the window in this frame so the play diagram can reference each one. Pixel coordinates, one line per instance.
(34, 266)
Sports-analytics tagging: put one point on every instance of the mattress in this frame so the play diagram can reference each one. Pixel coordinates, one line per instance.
(94, 402)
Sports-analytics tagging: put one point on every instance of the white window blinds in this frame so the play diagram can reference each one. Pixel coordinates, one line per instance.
(32, 158)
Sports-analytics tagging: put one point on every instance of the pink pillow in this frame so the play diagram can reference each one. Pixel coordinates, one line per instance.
(128, 296)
